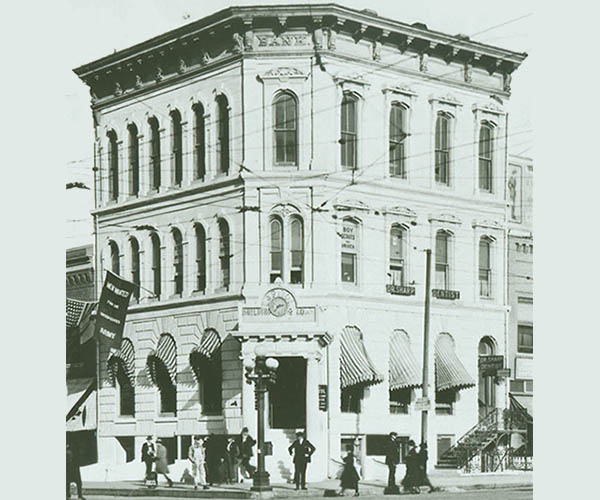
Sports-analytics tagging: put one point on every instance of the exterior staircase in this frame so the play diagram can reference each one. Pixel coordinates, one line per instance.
(474, 441)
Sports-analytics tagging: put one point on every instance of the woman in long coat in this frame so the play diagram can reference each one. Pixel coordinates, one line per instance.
(162, 463)
(350, 476)
(412, 479)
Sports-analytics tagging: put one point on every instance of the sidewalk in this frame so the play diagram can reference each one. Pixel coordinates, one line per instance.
(447, 480)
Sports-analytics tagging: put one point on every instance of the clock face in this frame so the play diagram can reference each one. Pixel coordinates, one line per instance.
(278, 306)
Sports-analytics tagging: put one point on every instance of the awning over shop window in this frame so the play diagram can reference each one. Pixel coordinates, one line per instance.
(81, 404)
(125, 359)
(165, 353)
(79, 317)
(450, 373)
(355, 365)
(403, 365)
(524, 403)
(210, 342)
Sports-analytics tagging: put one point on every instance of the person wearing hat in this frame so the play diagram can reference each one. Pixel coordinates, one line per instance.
(302, 450)
(162, 461)
(148, 455)
(392, 457)
(422, 461)
(245, 447)
(410, 482)
(196, 455)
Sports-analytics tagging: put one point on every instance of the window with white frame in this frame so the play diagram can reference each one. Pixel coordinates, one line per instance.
(485, 157)
(442, 148)
(156, 264)
(176, 147)
(525, 339)
(349, 131)
(442, 264)
(397, 243)
(222, 134)
(276, 249)
(115, 266)
(285, 129)
(296, 250)
(199, 142)
(349, 251)
(397, 135)
(485, 267)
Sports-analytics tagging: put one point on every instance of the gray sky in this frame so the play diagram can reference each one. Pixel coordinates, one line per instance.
(100, 27)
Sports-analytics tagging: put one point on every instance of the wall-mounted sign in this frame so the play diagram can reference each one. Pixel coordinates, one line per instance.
(284, 40)
(422, 404)
(278, 304)
(349, 237)
(489, 365)
(323, 397)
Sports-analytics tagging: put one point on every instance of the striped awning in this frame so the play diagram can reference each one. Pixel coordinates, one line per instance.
(123, 358)
(165, 353)
(450, 373)
(355, 365)
(403, 365)
(78, 311)
(210, 342)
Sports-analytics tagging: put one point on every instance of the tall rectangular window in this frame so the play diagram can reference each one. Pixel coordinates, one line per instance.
(224, 253)
(442, 149)
(485, 158)
(349, 127)
(176, 147)
(126, 394)
(444, 402)
(442, 281)
(154, 153)
(525, 338)
(113, 166)
(276, 250)
(485, 271)
(178, 261)
(199, 143)
(397, 136)
(285, 130)
(297, 251)
(135, 267)
(400, 400)
(396, 273)
(200, 258)
(134, 160)
(223, 134)
(351, 399)
(349, 251)
(156, 265)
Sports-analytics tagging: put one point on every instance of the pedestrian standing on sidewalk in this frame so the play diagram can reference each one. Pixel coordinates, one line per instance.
(232, 455)
(246, 444)
(197, 456)
(392, 457)
(148, 455)
(422, 461)
(350, 477)
(302, 450)
(162, 461)
(411, 479)
(73, 472)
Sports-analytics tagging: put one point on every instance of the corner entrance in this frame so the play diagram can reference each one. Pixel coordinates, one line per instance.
(287, 398)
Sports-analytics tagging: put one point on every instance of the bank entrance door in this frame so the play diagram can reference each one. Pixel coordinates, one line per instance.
(287, 397)
(487, 384)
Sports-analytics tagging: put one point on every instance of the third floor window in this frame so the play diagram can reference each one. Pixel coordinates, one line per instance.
(285, 130)
(442, 149)
(397, 136)
(349, 127)
(485, 157)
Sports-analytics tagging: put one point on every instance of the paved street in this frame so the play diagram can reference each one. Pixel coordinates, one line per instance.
(495, 494)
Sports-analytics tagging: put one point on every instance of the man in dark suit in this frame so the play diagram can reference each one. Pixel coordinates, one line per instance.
(232, 453)
(302, 450)
(148, 455)
(246, 443)
(392, 457)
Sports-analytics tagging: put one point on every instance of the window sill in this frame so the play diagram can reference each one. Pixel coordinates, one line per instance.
(210, 418)
(222, 289)
(175, 296)
(166, 419)
(198, 293)
(125, 420)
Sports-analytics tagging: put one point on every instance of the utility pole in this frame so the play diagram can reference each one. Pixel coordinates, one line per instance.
(426, 347)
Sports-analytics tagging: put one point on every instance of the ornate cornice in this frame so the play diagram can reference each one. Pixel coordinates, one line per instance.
(283, 74)
(399, 90)
(488, 107)
(448, 99)
(400, 212)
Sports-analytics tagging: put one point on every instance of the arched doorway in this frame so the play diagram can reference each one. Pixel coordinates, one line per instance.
(487, 383)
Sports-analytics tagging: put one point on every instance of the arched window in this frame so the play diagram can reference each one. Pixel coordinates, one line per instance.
(485, 267)
(113, 166)
(349, 129)
(397, 245)
(442, 261)
(200, 258)
(134, 160)
(297, 250)
(285, 130)
(397, 136)
(349, 251)
(154, 153)
(485, 157)
(223, 134)
(199, 142)
(276, 249)
(135, 266)
(115, 266)
(156, 264)
(224, 253)
(123, 380)
(442, 149)
(178, 261)
(176, 147)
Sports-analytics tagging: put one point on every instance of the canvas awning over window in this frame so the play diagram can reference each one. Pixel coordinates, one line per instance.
(403, 365)
(450, 373)
(209, 344)
(165, 353)
(125, 359)
(79, 318)
(355, 365)
(81, 404)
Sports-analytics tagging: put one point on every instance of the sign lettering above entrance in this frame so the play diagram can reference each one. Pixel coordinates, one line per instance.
(489, 365)
(279, 304)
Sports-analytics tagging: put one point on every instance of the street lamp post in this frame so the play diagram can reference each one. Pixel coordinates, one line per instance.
(262, 372)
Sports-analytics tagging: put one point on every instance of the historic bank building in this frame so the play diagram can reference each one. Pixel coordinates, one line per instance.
(270, 177)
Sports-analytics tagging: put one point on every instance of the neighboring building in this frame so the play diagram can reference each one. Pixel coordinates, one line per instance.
(520, 280)
(81, 354)
(269, 176)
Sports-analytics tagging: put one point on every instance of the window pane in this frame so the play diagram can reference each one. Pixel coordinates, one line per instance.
(441, 248)
(525, 340)
(484, 254)
(200, 258)
(348, 267)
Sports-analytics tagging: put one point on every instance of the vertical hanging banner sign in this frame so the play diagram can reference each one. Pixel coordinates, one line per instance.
(112, 310)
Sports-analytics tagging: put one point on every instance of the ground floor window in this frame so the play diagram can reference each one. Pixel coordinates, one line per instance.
(128, 445)
(444, 402)
(351, 398)
(524, 386)
(444, 443)
(400, 400)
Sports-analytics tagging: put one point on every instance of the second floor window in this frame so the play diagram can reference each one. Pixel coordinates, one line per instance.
(276, 249)
(176, 148)
(442, 149)
(113, 166)
(200, 258)
(135, 266)
(485, 268)
(485, 158)
(156, 264)
(442, 268)
(114, 258)
(134, 160)
(349, 128)
(154, 153)
(199, 142)
(177, 262)
(396, 272)
(297, 251)
(224, 254)
(349, 253)
(285, 130)
(223, 134)
(397, 136)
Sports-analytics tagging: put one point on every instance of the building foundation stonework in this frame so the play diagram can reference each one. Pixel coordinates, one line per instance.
(271, 191)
